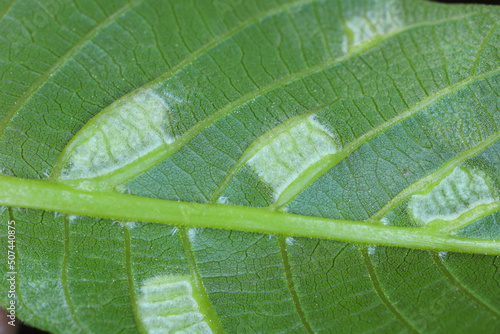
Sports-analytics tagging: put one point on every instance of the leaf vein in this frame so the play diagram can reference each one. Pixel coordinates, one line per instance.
(207, 309)
(435, 177)
(39, 194)
(453, 280)
(482, 47)
(162, 152)
(291, 284)
(6, 8)
(64, 278)
(328, 161)
(19, 296)
(130, 278)
(378, 289)
(62, 60)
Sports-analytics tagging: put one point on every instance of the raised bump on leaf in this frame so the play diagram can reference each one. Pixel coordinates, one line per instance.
(166, 305)
(291, 152)
(461, 191)
(376, 21)
(123, 132)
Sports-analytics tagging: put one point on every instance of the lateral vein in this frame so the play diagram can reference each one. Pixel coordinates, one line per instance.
(62, 60)
(162, 152)
(453, 280)
(64, 278)
(6, 8)
(291, 285)
(208, 310)
(378, 289)
(130, 278)
(329, 161)
(434, 178)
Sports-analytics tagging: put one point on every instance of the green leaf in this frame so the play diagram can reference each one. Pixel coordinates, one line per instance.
(250, 166)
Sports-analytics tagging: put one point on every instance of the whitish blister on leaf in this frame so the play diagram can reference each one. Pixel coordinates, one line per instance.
(120, 134)
(376, 21)
(166, 305)
(291, 152)
(461, 191)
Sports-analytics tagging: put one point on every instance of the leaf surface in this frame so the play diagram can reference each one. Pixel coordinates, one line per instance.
(251, 166)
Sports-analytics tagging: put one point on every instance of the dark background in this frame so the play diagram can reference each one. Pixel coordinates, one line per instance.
(487, 2)
(25, 329)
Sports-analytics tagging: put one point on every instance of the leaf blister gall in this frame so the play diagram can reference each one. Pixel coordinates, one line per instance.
(408, 88)
(166, 305)
(461, 191)
(376, 21)
(120, 134)
(291, 152)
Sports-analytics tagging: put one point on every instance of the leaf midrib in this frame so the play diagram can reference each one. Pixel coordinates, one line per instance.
(129, 273)
(37, 194)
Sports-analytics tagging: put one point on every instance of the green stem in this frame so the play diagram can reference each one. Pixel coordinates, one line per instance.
(56, 197)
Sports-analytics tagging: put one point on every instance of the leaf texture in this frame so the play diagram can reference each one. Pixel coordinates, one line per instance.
(228, 166)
